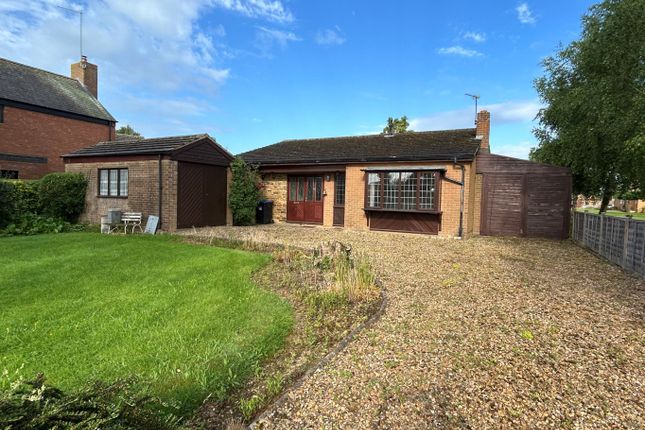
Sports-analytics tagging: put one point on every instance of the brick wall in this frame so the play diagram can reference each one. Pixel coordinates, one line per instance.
(275, 188)
(24, 132)
(143, 190)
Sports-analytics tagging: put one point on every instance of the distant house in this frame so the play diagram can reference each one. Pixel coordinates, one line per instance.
(438, 182)
(44, 115)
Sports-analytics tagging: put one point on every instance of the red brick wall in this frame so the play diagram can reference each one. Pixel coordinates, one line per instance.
(24, 132)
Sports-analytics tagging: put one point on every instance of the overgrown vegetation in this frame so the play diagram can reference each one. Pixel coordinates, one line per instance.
(186, 319)
(49, 205)
(245, 192)
(331, 291)
(34, 404)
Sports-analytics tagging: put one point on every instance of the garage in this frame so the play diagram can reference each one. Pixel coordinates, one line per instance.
(181, 179)
(523, 198)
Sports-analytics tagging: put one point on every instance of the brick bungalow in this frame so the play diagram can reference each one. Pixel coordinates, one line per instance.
(436, 182)
(44, 115)
(182, 179)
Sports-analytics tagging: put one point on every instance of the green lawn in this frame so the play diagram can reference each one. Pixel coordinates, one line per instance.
(636, 216)
(185, 318)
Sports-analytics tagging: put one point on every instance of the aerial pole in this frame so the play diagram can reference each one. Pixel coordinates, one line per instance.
(475, 98)
(80, 14)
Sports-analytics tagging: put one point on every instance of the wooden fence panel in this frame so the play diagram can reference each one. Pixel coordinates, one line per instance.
(619, 240)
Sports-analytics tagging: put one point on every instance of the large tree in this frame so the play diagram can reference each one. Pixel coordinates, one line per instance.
(396, 125)
(594, 92)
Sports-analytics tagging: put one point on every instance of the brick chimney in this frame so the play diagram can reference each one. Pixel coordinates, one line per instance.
(483, 130)
(87, 74)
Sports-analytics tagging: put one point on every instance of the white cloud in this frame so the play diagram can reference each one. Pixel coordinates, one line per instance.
(267, 38)
(271, 10)
(516, 150)
(524, 14)
(459, 50)
(474, 36)
(501, 113)
(330, 37)
(149, 45)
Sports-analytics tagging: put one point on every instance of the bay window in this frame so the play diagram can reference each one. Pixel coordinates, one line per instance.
(402, 191)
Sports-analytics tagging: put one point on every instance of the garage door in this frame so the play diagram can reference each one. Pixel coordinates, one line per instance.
(201, 195)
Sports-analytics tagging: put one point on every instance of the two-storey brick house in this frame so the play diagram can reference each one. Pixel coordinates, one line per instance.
(44, 115)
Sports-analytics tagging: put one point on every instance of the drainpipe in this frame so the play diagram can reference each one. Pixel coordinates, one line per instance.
(461, 203)
(159, 191)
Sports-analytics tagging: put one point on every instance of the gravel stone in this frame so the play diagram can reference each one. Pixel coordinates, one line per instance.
(485, 333)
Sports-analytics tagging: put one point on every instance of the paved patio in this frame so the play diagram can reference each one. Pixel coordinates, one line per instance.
(485, 333)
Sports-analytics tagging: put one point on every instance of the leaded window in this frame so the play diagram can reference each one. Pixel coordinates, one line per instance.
(402, 190)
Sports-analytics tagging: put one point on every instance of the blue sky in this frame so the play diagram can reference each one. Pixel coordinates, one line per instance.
(254, 72)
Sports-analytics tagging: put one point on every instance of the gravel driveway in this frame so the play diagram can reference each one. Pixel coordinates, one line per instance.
(482, 333)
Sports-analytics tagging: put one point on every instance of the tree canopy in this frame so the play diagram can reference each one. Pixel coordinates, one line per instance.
(594, 92)
(397, 125)
(127, 129)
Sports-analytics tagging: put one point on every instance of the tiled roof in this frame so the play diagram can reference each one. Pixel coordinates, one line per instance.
(411, 146)
(26, 84)
(135, 146)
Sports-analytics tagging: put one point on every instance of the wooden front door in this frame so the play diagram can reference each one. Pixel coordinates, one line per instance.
(304, 199)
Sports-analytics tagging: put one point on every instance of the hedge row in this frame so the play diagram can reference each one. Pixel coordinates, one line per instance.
(57, 197)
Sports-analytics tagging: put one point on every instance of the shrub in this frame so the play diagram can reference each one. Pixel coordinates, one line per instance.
(245, 192)
(62, 195)
(36, 405)
(7, 203)
(29, 224)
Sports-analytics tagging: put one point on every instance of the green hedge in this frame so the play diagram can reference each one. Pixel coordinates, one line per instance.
(56, 199)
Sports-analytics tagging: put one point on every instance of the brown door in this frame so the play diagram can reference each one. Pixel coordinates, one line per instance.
(201, 195)
(304, 199)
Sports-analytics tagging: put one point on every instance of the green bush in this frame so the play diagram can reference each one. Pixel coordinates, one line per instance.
(7, 203)
(245, 192)
(62, 195)
(26, 196)
(36, 405)
(29, 224)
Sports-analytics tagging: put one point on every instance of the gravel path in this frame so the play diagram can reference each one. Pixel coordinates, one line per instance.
(486, 333)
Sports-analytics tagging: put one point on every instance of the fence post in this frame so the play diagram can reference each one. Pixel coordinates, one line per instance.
(600, 234)
(626, 242)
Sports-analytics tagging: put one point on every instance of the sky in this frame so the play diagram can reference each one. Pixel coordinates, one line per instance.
(254, 72)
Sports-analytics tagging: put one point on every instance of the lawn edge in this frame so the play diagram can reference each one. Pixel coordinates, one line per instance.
(270, 409)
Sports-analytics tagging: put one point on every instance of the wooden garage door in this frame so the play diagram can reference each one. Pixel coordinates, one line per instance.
(502, 203)
(534, 205)
(201, 195)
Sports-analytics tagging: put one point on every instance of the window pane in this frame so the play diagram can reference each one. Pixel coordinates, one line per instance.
(339, 189)
(310, 189)
(114, 176)
(427, 191)
(373, 190)
(301, 189)
(123, 182)
(103, 182)
(318, 189)
(391, 190)
(293, 188)
(408, 190)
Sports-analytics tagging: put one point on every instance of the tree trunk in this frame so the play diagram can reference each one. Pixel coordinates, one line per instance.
(606, 196)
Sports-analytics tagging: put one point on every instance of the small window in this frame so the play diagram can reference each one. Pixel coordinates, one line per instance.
(8, 174)
(113, 182)
(1, 113)
(339, 189)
